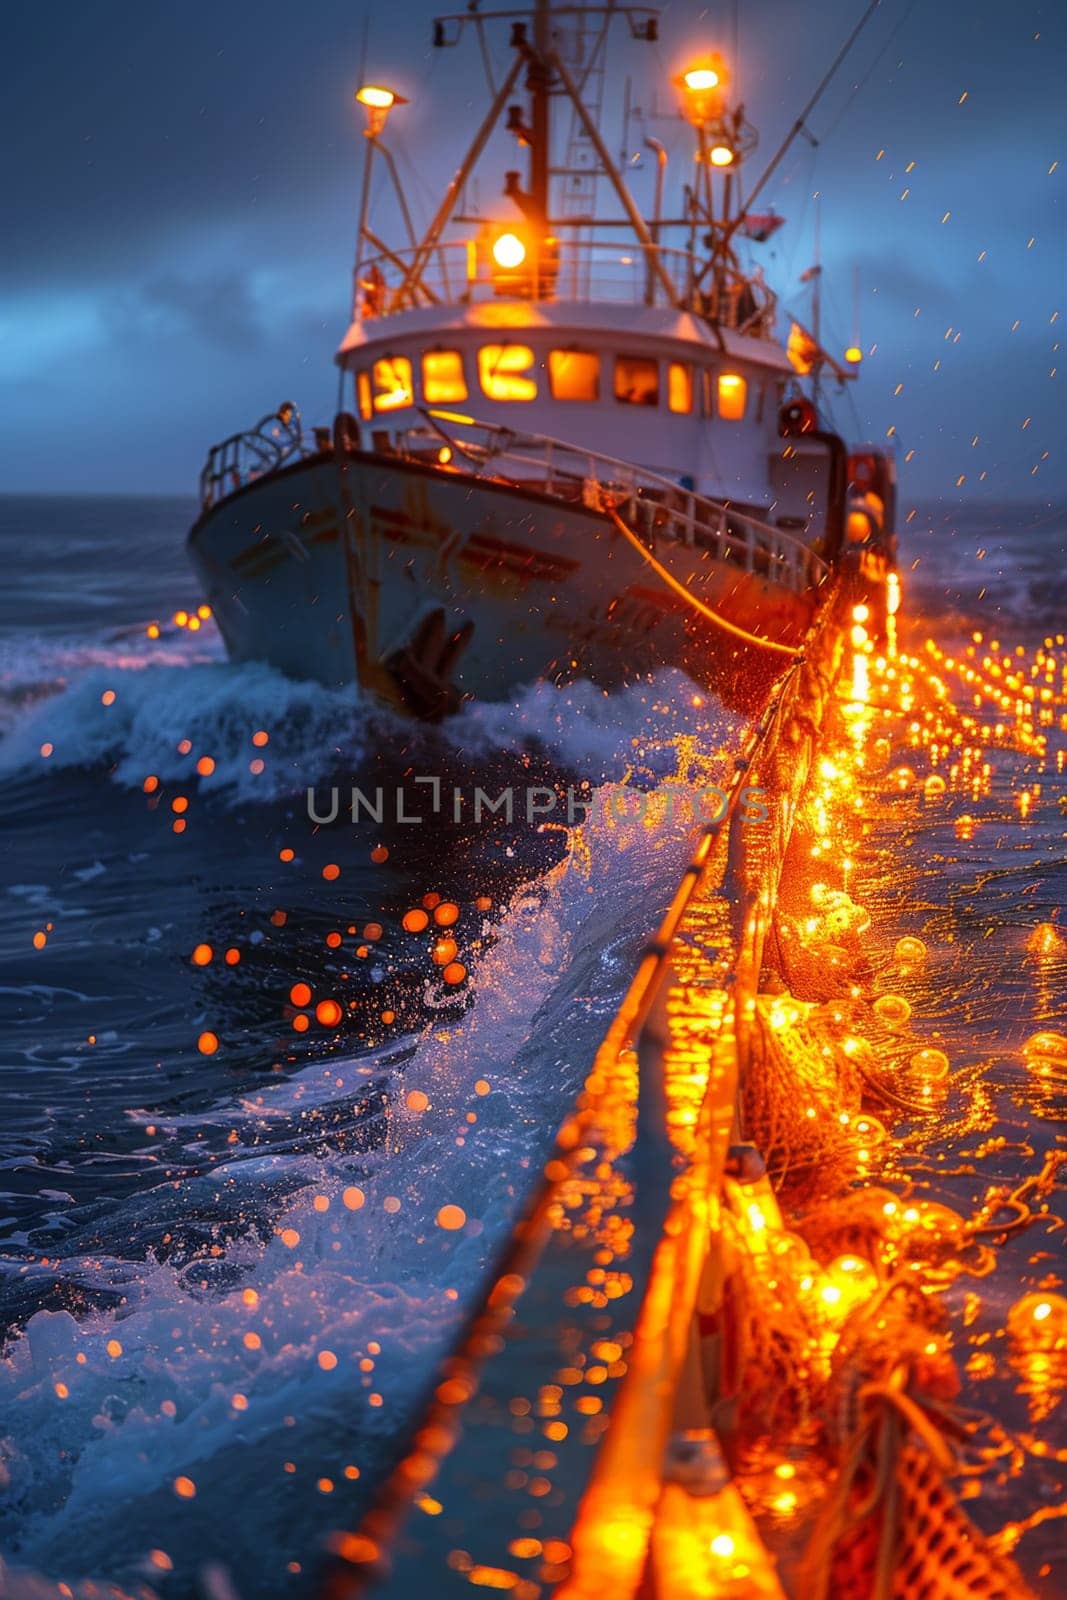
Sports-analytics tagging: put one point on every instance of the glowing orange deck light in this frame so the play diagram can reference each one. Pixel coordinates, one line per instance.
(373, 95)
(202, 955)
(415, 921)
(300, 994)
(377, 101)
(207, 1043)
(451, 1218)
(509, 251)
(701, 90)
(328, 1013)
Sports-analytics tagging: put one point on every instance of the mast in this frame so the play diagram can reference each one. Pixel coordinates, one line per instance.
(537, 81)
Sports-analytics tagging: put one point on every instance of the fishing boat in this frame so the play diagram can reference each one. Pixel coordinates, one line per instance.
(572, 439)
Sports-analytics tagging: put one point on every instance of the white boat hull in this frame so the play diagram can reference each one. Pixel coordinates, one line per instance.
(426, 586)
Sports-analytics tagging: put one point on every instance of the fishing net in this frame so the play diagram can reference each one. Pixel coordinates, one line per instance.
(762, 1332)
(892, 1528)
(798, 1098)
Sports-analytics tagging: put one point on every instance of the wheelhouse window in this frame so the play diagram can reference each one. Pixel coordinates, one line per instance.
(391, 383)
(443, 380)
(363, 397)
(574, 374)
(732, 396)
(637, 381)
(505, 372)
(679, 386)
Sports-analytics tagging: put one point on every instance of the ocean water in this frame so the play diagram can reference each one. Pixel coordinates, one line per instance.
(999, 567)
(227, 1268)
(223, 1270)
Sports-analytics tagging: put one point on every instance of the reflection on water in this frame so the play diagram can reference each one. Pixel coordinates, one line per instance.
(967, 854)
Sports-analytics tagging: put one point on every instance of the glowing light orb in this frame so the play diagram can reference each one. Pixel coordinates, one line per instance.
(1039, 1322)
(509, 251)
(932, 1064)
(1045, 1055)
(892, 1009)
(909, 949)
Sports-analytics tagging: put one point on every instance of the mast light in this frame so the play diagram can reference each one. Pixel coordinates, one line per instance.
(721, 155)
(509, 251)
(700, 79)
(702, 90)
(854, 355)
(378, 101)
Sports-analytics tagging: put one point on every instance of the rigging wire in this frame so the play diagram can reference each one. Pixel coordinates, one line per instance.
(800, 125)
(863, 82)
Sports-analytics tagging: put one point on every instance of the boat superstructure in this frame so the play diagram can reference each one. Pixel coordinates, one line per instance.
(570, 441)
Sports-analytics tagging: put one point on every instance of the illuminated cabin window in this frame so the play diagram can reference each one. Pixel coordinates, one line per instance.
(442, 377)
(733, 394)
(504, 372)
(391, 381)
(637, 381)
(363, 395)
(679, 386)
(574, 374)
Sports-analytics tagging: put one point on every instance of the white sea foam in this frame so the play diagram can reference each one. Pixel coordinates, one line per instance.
(143, 715)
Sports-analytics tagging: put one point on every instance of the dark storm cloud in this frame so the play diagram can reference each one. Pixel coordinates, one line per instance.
(180, 188)
(219, 308)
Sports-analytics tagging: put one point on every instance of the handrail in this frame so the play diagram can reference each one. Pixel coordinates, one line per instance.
(614, 270)
(267, 445)
(707, 612)
(660, 504)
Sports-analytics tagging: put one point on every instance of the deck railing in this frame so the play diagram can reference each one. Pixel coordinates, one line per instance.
(463, 272)
(274, 440)
(656, 507)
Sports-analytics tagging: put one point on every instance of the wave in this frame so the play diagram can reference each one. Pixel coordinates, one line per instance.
(249, 733)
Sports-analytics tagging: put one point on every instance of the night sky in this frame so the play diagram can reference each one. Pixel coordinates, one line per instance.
(181, 188)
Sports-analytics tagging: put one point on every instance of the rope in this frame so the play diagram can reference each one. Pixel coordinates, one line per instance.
(679, 588)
